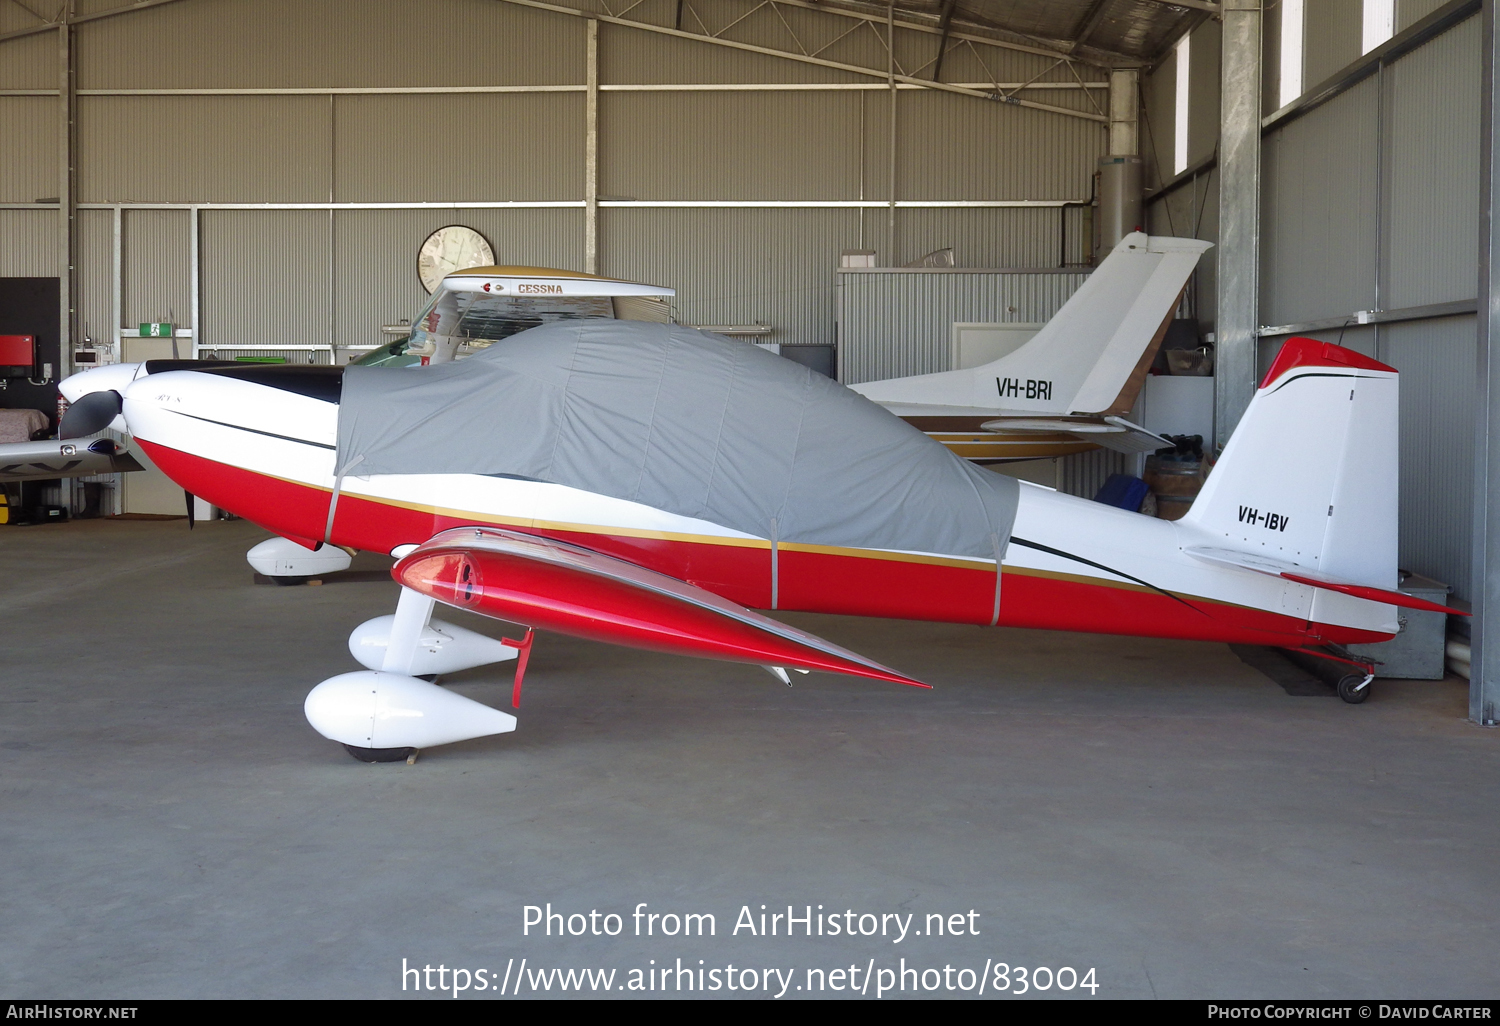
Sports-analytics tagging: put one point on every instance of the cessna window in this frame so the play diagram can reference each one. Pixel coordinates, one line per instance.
(481, 320)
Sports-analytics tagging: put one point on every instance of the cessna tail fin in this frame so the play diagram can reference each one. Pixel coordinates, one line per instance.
(1091, 357)
(1308, 480)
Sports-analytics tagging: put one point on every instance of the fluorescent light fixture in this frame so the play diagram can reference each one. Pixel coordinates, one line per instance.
(1292, 34)
(1380, 23)
(1180, 115)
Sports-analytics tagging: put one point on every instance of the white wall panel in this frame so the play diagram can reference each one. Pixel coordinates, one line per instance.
(1433, 178)
(955, 147)
(1436, 361)
(479, 147)
(29, 62)
(1023, 237)
(28, 143)
(184, 149)
(265, 277)
(156, 263)
(736, 266)
(1318, 211)
(96, 274)
(1409, 12)
(776, 146)
(1334, 33)
(28, 244)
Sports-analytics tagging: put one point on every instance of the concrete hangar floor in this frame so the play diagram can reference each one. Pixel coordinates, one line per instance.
(1156, 812)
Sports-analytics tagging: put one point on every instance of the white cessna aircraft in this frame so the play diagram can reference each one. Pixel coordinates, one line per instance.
(1068, 388)
(652, 485)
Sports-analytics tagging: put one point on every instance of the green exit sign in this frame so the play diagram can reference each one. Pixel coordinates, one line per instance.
(156, 330)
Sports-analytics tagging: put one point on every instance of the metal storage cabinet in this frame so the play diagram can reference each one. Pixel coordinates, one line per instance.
(1417, 652)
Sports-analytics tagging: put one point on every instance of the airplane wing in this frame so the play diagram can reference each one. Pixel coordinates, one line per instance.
(1312, 578)
(577, 591)
(482, 305)
(47, 460)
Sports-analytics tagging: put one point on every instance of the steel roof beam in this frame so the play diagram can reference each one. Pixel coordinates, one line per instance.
(853, 69)
(914, 22)
(33, 12)
(1217, 10)
(944, 24)
(79, 19)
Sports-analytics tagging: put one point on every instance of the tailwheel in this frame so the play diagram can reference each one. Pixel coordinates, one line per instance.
(1355, 687)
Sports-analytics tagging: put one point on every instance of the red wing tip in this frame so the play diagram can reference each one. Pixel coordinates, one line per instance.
(1300, 351)
(873, 672)
(896, 678)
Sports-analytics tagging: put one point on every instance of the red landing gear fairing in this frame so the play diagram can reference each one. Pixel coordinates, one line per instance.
(651, 486)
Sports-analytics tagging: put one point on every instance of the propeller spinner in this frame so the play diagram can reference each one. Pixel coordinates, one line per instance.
(90, 414)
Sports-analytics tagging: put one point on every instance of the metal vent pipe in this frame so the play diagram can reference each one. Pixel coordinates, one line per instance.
(1120, 193)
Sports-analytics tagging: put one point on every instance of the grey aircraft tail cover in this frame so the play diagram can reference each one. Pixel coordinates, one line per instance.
(683, 421)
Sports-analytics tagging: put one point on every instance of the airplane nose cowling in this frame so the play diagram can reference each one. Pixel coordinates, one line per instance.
(113, 377)
(257, 441)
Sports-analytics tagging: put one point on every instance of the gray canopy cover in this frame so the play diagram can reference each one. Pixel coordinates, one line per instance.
(684, 421)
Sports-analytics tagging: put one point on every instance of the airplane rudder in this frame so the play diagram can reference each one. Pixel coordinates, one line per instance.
(1308, 474)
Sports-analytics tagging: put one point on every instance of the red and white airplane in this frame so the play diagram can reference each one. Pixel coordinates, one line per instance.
(1287, 545)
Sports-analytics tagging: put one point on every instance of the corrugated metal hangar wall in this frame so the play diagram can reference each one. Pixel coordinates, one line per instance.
(287, 159)
(1369, 207)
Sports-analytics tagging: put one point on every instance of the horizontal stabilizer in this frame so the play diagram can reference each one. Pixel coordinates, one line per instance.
(1131, 438)
(572, 590)
(1312, 578)
(1115, 433)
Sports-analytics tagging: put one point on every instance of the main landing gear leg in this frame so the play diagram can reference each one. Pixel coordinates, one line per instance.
(387, 713)
(413, 613)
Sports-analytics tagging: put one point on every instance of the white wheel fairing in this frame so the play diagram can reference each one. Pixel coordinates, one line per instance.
(442, 647)
(371, 709)
(282, 557)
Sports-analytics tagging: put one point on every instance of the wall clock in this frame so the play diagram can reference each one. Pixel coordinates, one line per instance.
(455, 247)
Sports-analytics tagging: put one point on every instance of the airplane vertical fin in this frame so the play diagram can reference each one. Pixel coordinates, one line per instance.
(1309, 476)
(1091, 357)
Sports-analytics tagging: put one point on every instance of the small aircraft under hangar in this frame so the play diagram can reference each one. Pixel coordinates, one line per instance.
(652, 485)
